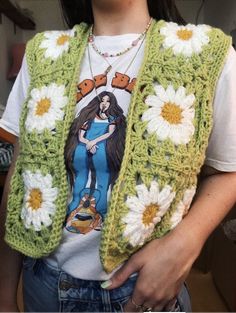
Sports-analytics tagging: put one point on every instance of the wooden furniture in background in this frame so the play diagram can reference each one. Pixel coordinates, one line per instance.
(16, 15)
(5, 136)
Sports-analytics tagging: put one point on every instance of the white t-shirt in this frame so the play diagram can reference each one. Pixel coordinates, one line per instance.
(78, 253)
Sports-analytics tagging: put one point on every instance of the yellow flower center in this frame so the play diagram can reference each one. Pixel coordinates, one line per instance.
(149, 213)
(43, 106)
(172, 113)
(35, 199)
(62, 40)
(185, 34)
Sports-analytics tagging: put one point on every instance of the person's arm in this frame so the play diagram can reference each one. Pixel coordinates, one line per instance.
(10, 260)
(163, 264)
(82, 139)
(93, 142)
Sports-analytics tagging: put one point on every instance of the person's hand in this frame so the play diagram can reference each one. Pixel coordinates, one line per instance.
(162, 266)
(90, 144)
(93, 150)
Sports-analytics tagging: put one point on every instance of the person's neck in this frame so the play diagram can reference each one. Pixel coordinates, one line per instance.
(119, 17)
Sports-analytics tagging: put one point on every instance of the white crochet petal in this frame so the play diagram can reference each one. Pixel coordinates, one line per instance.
(140, 223)
(39, 200)
(154, 124)
(135, 204)
(56, 43)
(182, 207)
(46, 107)
(172, 119)
(186, 40)
(143, 194)
(153, 101)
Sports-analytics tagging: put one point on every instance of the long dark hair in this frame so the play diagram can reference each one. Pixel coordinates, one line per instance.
(77, 11)
(114, 144)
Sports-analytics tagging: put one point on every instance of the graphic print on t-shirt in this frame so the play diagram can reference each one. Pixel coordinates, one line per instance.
(120, 81)
(97, 138)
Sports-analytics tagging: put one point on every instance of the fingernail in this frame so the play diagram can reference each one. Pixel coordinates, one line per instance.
(106, 283)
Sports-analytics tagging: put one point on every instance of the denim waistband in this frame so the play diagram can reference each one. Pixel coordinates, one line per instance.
(44, 282)
(78, 294)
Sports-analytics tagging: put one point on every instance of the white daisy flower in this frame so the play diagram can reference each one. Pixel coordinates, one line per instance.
(56, 43)
(171, 114)
(39, 200)
(45, 107)
(146, 211)
(185, 40)
(183, 207)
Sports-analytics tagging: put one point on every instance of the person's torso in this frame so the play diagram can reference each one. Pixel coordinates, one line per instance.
(78, 253)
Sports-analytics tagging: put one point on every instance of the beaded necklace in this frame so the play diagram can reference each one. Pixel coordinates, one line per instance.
(110, 65)
(133, 44)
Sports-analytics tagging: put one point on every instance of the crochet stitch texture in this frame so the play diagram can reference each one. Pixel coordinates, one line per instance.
(155, 165)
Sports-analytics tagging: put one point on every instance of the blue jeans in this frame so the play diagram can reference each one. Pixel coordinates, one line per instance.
(47, 289)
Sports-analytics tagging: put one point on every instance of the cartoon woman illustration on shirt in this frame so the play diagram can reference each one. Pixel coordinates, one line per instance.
(95, 149)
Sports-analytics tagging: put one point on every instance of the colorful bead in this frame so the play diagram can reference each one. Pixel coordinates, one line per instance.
(135, 42)
(90, 39)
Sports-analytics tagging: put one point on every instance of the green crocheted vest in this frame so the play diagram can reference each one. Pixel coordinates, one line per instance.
(168, 126)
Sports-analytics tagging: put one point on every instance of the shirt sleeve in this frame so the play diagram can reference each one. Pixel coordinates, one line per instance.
(221, 151)
(11, 116)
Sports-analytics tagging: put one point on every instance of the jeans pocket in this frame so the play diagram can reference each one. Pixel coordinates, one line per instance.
(28, 263)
